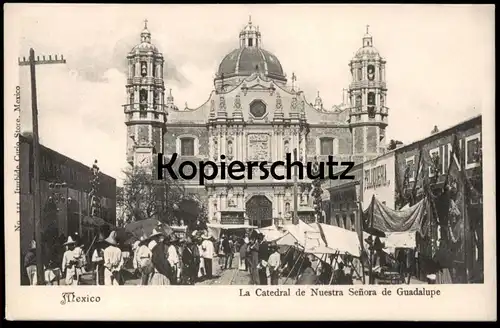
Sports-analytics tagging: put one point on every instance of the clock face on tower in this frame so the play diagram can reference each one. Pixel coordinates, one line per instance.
(144, 159)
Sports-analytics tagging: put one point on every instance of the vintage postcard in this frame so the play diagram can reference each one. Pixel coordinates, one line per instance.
(250, 162)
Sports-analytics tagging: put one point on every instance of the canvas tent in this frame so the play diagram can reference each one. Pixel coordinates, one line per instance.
(328, 243)
(321, 239)
(214, 229)
(295, 234)
(271, 233)
(340, 240)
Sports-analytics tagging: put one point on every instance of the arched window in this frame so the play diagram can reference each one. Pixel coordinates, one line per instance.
(187, 146)
(144, 69)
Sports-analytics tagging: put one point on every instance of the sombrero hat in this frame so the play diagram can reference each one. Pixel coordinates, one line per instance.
(143, 239)
(111, 238)
(153, 234)
(69, 241)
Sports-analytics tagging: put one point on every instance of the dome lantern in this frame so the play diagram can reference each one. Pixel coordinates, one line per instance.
(367, 51)
(367, 39)
(146, 46)
(145, 34)
(250, 35)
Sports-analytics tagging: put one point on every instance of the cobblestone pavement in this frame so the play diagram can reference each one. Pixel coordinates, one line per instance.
(234, 276)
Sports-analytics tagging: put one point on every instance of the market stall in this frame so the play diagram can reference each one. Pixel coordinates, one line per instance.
(388, 230)
(329, 244)
(214, 229)
(271, 233)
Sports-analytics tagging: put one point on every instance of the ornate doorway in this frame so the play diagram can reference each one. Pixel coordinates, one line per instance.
(259, 210)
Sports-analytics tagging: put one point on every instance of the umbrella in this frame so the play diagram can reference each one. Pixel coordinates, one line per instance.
(145, 227)
(123, 236)
(375, 232)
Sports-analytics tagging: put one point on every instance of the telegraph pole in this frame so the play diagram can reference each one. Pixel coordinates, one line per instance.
(295, 195)
(31, 62)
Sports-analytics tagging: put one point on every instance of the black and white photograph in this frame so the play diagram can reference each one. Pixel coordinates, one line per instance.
(264, 147)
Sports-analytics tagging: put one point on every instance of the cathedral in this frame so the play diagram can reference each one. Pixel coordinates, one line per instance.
(254, 113)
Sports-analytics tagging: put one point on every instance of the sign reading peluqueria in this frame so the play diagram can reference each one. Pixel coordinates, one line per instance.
(378, 179)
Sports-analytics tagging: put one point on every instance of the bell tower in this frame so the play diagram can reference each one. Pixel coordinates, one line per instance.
(145, 113)
(367, 95)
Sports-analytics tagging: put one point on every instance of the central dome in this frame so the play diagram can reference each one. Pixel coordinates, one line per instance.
(250, 58)
(246, 61)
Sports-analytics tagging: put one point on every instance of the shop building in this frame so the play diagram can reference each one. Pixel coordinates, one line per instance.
(64, 187)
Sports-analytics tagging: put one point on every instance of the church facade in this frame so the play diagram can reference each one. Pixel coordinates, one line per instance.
(254, 113)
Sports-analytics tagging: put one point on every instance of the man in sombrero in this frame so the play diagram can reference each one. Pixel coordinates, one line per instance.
(161, 267)
(112, 261)
(142, 259)
(69, 265)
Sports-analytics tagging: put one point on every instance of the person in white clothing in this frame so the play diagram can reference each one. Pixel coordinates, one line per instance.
(98, 261)
(207, 254)
(143, 260)
(112, 261)
(70, 263)
(135, 262)
(173, 260)
(274, 265)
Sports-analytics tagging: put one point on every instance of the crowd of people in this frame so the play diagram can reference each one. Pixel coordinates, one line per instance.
(168, 259)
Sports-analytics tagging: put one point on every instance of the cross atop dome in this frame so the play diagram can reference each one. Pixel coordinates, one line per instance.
(145, 34)
(367, 39)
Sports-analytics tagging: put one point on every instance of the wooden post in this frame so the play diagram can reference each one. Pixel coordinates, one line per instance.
(295, 193)
(31, 62)
(468, 250)
(370, 272)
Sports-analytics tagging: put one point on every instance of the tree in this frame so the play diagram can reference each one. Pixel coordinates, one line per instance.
(393, 144)
(144, 197)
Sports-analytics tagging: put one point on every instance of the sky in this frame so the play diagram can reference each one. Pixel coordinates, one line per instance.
(440, 62)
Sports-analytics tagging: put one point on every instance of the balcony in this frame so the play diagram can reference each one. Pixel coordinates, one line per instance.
(368, 84)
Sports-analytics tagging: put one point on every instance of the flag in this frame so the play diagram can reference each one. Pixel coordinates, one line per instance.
(455, 187)
(417, 173)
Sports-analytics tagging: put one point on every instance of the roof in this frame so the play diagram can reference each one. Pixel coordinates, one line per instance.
(367, 52)
(248, 60)
(145, 47)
